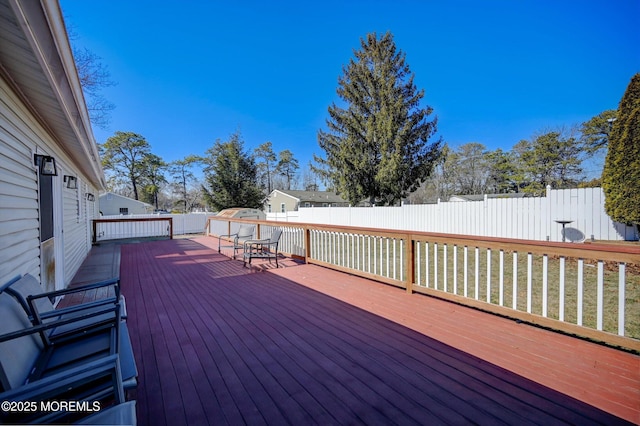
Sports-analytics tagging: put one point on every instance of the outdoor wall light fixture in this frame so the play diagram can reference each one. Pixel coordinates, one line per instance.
(71, 181)
(46, 165)
(90, 197)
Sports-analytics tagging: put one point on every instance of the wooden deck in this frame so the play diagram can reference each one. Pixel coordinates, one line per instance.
(217, 343)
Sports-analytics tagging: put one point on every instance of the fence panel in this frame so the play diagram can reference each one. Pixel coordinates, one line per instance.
(531, 218)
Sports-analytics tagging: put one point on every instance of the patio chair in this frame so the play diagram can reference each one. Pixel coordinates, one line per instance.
(262, 249)
(244, 233)
(97, 381)
(26, 356)
(39, 307)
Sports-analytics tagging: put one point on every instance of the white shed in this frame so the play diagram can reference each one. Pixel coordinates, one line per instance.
(242, 213)
(113, 204)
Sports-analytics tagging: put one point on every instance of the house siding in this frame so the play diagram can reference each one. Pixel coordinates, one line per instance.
(20, 137)
(19, 232)
(76, 223)
(277, 198)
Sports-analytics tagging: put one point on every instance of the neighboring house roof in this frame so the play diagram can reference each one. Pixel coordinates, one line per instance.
(480, 197)
(313, 196)
(48, 82)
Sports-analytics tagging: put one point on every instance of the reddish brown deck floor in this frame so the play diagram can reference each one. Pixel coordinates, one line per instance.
(217, 343)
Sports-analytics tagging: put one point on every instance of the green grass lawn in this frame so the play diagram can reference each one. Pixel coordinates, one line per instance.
(589, 303)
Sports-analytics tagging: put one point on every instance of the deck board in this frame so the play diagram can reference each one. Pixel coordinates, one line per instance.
(217, 343)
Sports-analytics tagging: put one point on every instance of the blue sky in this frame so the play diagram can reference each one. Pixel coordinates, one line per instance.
(495, 72)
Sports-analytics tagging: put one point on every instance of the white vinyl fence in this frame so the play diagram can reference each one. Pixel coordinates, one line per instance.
(533, 218)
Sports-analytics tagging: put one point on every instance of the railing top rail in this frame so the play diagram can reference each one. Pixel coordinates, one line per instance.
(134, 219)
(601, 251)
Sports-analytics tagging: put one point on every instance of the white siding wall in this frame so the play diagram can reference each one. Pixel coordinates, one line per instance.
(75, 227)
(19, 237)
(277, 198)
(20, 137)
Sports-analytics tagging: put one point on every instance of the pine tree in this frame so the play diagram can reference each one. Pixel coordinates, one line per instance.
(231, 176)
(124, 155)
(182, 177)
(551, 158)
(267, 158)
(153, 178)
(621, 174)
(287, 166)
(377, 147)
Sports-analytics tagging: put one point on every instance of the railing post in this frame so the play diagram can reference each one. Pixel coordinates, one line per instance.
(307, 244)
(171, 228)
(94, 238)
(409, 259)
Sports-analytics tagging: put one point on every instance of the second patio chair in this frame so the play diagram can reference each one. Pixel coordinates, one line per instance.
(244, 233)
(262, 249)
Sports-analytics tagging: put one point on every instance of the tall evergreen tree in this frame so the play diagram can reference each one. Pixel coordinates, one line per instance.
(551, 159)
(621, 174)
(231, 176)
(182, 177)
(287, 166)
(377, 147)
(267, 158)
(595, 132)
(124, 154)
(504, 176)
(153, 178)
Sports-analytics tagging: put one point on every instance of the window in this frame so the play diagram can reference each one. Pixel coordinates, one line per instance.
(45, 194)
(307, 204)
(269, 208)
(124, 210)
(283, 209)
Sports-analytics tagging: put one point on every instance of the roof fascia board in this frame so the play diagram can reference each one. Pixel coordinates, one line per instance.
(60, 71)
(286, 195)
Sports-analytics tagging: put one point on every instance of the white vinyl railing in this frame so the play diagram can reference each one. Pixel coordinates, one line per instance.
(128, 227)
(592, 290)
(190, 223)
